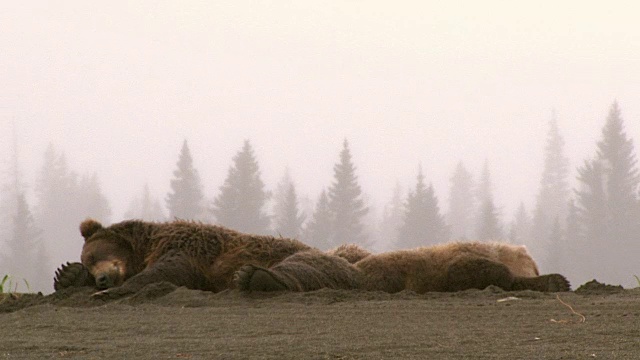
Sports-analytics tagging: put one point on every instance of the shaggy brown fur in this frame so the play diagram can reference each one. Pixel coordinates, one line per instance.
(457, 266)
(303, 271)
(351, 252)
(447, 267)
(126, 256)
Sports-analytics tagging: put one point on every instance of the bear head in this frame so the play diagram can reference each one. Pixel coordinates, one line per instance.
(106, 253)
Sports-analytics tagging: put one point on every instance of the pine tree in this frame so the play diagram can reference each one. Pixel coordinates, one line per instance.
(520, 232)
(287, 218)
(591, 202)
(57, 207)
(92, 203)
(146, 207)
(346, 203)
(242, 197)
(488, 225)
(25, 260)
(392, 219)
(556, 257)
(553, 195)
(423, 225)
(575, 249)
(318, 231)
(462, 204)
(608, 203)
(186, 201)
(63, 201)
(616, 152)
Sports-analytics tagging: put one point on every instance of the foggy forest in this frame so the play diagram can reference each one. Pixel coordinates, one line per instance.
(570, 231)
(390, 129)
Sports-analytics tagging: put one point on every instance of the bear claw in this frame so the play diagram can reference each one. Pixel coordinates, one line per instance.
(72, 275)
(557, 283)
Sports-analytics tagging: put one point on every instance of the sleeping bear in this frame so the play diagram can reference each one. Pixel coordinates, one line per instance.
(122, 258)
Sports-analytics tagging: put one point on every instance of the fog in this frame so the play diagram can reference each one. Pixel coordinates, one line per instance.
(117, 86)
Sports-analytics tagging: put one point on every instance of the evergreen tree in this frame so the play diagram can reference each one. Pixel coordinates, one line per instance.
(318, 231)
(573, 230)
(608, 203)
(591, 202)
(186, 201)
(57, 208)
(423, 225)
(488, 225)
(25, 258)
(242, 197)
(392, 219)
(63, 202)
(616, 152)
(520, 232)
(346, 203)
(22, 254)
(146, 207)
(556, 256)
(287, 218)
(462, 204)
(553, 195)
(92, 203)
(11, 190)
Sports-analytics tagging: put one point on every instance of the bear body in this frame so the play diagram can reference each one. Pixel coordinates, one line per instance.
(448, 267)
(124, 257)
(451, 266)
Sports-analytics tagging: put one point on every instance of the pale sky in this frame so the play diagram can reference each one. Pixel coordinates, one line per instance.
(118, 85)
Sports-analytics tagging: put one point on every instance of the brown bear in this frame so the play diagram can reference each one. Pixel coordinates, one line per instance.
(447, 267)
(352, 252)
(126, 256)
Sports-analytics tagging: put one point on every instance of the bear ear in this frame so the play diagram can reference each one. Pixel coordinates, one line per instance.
(89, 227)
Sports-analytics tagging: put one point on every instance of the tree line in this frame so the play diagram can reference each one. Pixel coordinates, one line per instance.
(585, 232)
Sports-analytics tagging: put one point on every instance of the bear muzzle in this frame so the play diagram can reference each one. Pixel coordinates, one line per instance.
(108, 274)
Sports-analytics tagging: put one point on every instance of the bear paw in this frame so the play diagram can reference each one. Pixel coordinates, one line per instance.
(544, 283)
(72, 275)
(557, 283)
(253, 278)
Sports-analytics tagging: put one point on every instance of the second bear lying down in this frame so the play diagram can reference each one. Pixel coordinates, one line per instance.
(124, 257)
(453, 266)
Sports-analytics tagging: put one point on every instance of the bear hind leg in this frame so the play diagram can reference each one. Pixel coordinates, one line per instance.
(478, 273)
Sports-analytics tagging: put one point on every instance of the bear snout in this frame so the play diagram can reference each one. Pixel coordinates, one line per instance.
(108, 274)
(103, 282)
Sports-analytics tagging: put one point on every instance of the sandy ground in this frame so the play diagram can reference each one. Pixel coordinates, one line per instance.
(162, 322)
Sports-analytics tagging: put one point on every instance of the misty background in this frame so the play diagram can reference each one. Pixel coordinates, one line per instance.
(112, 91)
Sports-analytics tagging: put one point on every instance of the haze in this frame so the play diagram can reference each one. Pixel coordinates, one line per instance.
(117, 86)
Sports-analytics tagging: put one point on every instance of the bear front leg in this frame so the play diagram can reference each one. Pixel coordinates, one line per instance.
(173, 268)
(303, 271)
(544, 283)
(478, 273)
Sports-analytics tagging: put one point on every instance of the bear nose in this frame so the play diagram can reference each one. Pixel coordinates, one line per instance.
(101, 281)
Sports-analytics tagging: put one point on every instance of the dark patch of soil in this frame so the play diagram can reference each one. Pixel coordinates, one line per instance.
(165, 322)
(594, 287)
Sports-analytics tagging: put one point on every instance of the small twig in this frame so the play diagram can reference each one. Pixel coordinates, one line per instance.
(582, 317)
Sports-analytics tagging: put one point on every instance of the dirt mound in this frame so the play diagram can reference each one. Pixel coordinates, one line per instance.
(594, 287)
